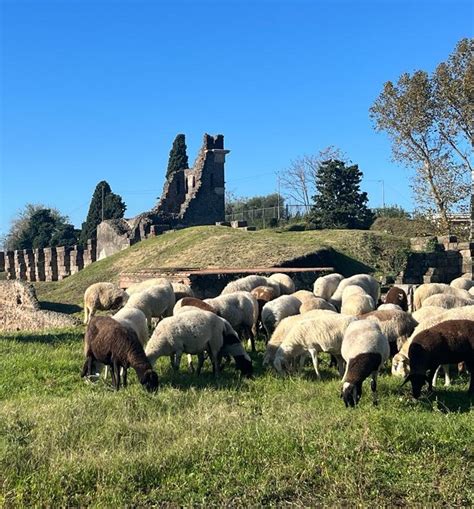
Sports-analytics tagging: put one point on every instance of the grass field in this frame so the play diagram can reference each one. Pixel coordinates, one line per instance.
(269, 441)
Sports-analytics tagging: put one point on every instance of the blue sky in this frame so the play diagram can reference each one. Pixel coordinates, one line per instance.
(94, 90)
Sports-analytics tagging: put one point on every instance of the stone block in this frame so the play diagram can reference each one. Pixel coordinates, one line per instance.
(10, 265)
(76, 260)
(2, 261)
(222, 223)
(238, 224)
(446, 239)
(248, 228)
(158, 229)
(39, 265)
(423, 243)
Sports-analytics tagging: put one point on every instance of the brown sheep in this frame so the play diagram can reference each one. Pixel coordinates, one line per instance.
(111, 343)
(397, 296)
(448, 342)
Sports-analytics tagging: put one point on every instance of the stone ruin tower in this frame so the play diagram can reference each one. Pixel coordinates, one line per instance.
(195, 196)
(191, 197)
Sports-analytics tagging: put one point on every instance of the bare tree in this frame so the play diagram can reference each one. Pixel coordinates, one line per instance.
(299, 180)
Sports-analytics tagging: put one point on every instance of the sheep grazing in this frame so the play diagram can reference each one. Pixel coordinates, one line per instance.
(181, 290)
(445, 301)
(322, 333)
(427, 312)
(286, 284)
(263, 294)
(388, 307)
(111, 343)
(148, 283)
(397, 296)
(464, 282)
(426, 290)
(282, 330)
(274, 311)
(325, 286)
(355, 301)
(365, 281)
(316, 303)
(102, 297)
(188, 303)
(193, 333)
(365, 349)
(446, 343)
(462, 313)
(397, 325)
(240, 309)
(155, 301)
(136, 320)
(245, 284)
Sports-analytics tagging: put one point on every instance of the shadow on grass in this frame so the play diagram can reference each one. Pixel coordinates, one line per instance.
(444, 401)
(59, 307)
(45, 338)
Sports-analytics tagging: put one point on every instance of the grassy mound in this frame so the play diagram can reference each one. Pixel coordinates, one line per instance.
(349, 251)
(267, 441)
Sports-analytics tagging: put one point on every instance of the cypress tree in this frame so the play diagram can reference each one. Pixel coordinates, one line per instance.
(113, 208)
(178, 159)
(339, 202)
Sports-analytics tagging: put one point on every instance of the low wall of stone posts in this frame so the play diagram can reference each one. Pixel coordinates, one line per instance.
(47, 264)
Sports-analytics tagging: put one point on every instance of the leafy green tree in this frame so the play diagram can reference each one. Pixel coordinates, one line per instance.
(392, 211)
(339, 202)
(45, 229)
(21, 221)
(178, 159)
(104, 205)
(429, 121)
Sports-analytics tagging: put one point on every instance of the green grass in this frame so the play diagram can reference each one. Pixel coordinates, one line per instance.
(350, 251)
(267, 441)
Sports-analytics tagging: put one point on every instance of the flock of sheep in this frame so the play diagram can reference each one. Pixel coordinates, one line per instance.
(339, 317)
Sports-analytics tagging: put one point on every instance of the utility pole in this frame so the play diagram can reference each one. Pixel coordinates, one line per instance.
(278, 199)
(102, 203)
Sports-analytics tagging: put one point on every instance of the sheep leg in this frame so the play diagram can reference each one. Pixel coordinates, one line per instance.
(116, 369)
(435, 376)
(200, 357)
(87, 368)
(106, 372)
(302, 361)
(86, 313)
(340, 365)
(215, 362)
(314, 358)
(373, 386)
(430, 376)
(177, 360)
(124, 374)
(112, 373)
(190, 363)
(447, 379)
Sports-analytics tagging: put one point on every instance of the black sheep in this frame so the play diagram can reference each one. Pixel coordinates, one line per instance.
(110, 343)
(448, 342)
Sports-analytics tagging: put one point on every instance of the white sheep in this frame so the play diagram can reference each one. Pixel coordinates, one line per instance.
(355, 301)
(322, 333)
(282, 330)
(304, 295)
(388, 307)
(102, 296)
(427, 312)
(240, 309)
(365, 349)
(195, 332)
(462, 313)
(155, 302)
(447, 301)
(147, 283)
(426, 290)
(325, 286)
(136, 320)
(274, 311)
(365, 281)
(287, 286)
(464, 282)
(316, 303)
(245, 284)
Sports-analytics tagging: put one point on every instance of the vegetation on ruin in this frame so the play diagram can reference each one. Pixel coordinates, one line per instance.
(178, 158)
(267, 441)
(349, 251)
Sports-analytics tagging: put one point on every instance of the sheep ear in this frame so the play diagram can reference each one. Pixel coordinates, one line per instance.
(407, 378)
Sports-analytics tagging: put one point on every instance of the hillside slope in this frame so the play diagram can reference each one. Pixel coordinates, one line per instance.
(213, 246)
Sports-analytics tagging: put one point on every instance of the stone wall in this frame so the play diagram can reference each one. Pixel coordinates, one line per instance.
(48, 264)
(437, 260)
